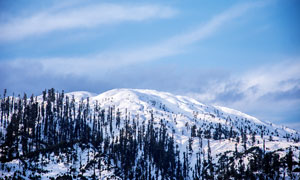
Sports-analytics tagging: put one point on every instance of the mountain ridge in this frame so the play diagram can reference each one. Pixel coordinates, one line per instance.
(162, 95)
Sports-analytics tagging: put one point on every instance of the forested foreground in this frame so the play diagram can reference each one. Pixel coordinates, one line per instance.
(54, 136)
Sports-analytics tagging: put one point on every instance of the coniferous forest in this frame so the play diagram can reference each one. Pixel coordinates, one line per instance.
(58, 136)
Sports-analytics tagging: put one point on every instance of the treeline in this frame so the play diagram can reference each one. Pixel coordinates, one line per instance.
(94, 140)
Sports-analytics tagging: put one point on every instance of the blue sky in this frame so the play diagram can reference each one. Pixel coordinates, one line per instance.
(240, 54)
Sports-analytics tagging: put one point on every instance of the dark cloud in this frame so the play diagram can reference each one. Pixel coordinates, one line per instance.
(291, 94)
(230, 92)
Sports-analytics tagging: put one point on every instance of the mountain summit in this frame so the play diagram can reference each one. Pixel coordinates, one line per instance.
(139, 134)
(181, 108)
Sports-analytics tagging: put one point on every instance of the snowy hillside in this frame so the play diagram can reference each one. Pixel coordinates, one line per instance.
(129, 133)
(179, 111)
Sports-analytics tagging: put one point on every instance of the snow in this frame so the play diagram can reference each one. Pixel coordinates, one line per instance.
(179, 113)
(78, 95)
(169, 107)
(238, 113)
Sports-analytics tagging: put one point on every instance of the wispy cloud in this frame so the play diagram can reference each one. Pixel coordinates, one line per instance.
(93, 65)
(69, 17)
(177, 43)
(258, 83)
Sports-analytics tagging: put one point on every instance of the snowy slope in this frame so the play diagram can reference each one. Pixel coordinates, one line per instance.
(179, 108)
(180, 115)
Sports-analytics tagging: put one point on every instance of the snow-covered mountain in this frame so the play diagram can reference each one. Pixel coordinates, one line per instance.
(178, 111)
(205, 137)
